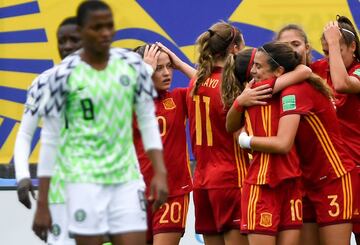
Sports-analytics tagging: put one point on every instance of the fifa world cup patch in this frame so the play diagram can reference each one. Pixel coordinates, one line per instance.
(169, 104)
(266, 219)
(289, 102)
(357, 72)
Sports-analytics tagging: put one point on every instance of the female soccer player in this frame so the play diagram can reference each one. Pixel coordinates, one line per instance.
(296, 37)
(97, 91)
(266, 207)
(68, 42)
(308, 114)
(167, 224)
(220, 164)
(341, 69)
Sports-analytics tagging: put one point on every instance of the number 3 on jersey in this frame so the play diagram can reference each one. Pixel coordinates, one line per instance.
(199, 102)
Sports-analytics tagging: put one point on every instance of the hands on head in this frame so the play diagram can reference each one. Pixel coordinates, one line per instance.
(332, 32)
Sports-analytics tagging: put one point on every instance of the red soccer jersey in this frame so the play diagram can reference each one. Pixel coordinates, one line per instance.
(266, 168)
(171, 113)
(347, 108)
(318, 140)
(220, 162)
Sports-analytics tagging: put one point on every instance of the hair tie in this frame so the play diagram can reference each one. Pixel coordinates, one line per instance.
(233, 32)
(211, 32)
(251, 61)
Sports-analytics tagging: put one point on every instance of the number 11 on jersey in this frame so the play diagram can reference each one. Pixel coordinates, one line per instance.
(198, 119)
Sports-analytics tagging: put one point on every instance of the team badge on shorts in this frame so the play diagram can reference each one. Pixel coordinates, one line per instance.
(266, 219)
(80, 215)
(56, 230)
(169, 104)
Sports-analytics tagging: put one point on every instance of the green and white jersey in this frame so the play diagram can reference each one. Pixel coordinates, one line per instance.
(57, 183)
(57, 187)
(98, 106)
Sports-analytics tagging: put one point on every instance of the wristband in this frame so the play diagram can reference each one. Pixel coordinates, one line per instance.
(245, 140)
(237, 106)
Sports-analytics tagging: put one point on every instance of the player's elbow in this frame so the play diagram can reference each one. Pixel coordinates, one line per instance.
(283, 149)
(231, 128)
(343, 86)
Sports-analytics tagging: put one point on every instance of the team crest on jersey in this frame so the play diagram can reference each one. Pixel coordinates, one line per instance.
(289, 102)
(357, 72)
(56, 230)
(266, 219)
(125, 80)
(169, 104)
(80, 215)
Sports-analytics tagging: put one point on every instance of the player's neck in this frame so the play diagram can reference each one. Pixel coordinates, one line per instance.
(96, 60)
(219, 63)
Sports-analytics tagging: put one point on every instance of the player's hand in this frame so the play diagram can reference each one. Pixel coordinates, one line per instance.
(158, 190)
(24, 187)
(42, 221)
(176, 61)
(254, 96)
(151, 55)
(332, 33)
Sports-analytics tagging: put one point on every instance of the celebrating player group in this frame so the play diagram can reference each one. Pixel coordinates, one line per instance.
(275, 136)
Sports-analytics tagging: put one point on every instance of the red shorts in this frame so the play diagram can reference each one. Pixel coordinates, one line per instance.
(309, 214)
(170, 217)
(217, 210)
(334, 201)
(267, 210)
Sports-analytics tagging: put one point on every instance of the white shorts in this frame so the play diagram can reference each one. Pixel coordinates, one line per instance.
(59, 234)
(95, 209)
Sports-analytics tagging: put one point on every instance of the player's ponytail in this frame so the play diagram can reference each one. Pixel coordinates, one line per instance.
(236, 74)
(320, 84)
(214, 45)
(229, 86)
(205, 61)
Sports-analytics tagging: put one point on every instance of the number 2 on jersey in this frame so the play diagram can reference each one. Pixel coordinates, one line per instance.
(198, 122)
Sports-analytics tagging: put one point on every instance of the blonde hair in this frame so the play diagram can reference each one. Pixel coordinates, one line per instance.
(235, 75)
(214, 45)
